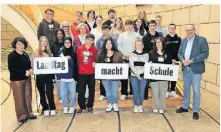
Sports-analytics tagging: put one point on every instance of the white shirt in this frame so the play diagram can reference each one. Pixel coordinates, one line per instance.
(97, 34)
(82, 39)
(91, 24)
(189, 46)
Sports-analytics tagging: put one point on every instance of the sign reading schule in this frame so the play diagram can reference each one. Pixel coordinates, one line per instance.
(156, 71)
(50, 65)
(111, 71)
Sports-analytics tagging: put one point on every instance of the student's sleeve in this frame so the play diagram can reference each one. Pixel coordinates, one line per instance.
(131, 63)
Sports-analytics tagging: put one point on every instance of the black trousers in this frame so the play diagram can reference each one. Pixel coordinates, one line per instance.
(102, 90)
(146, 89)
(46, 89)
(82, 82)
(171, 85)
(124, 86)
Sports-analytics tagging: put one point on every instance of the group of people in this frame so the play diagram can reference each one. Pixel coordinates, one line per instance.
(94, 40)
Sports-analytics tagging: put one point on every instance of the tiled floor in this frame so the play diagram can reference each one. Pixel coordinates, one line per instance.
(100, 121)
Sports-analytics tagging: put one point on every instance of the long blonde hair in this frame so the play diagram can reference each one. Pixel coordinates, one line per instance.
(47, 48)
(121, 25)
(145, 15)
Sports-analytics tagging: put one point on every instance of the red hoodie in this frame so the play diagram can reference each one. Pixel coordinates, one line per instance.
(86, 68)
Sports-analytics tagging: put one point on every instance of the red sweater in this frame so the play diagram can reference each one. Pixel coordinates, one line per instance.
(74, 30)
(86, 68)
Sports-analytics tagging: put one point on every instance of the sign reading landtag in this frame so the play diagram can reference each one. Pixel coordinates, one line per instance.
(156, 71)
(111, 71)
(50, 65)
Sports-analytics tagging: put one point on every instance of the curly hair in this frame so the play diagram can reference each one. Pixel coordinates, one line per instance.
(19, 39)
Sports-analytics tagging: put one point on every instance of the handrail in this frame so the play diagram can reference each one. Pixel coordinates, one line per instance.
(37, 13)
(26, 18)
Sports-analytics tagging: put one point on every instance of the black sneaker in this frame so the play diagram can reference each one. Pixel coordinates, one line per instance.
(81, 111)
(90, 110)
(181, 110)
(195, 116)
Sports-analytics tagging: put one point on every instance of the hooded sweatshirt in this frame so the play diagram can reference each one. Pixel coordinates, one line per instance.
(48, 30)
(148, 41)
(173, 45)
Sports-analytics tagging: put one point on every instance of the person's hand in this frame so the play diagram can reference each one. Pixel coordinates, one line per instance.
(138, 76)
(68, 57)
(27, 73)
(187, 62)
(31, 71)
(58, 81)
(173, 61)
(93, 64)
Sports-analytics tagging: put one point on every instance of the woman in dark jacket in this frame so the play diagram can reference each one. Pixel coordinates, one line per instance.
(68, 80)
(19, 66)
(159, 88)
(56, 46)
(110, 54)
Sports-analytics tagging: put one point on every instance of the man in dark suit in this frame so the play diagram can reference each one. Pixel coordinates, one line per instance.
(192, 53)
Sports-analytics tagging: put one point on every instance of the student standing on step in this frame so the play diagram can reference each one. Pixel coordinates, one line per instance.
(159, 87)
(110, 21)
(68, 80)
(48, 27)
(143, 16)
(44, 82)
(118, 28)
(19, 66)
(86, 55)
(161, 30)
(193, 52)
(91, 23)
(99, 45)
(137, 60)
(148, 41)
(110, 54)
(97, 32)
(173, 43)
(80, 39)
(57, 45)
(139, 27)
(126, 46)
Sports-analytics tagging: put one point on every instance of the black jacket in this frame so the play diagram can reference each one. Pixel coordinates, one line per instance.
(153, 57)
(108, 22)
(173, 45)
(148, 41)
(56, 47)
(94, 26)
(43, 30)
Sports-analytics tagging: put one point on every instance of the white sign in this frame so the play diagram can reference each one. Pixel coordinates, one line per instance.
(50, 65)
(111, 71)
(156, 71)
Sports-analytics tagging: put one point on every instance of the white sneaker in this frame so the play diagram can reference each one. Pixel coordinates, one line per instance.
(173, 94)
(46, 113)
(60, 101)
(167, 94)
(116, 109)
(131, 96)
(53, 112)
(87, 92)
(71, 110)
(161, 111)
(101, 98)
(140, 109)
(109, 108)
(65, 110)
(135, 109)
(155, 110)
(123, 97)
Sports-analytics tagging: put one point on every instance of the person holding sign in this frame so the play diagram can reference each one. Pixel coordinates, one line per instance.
(44, 82)
(173, 43)
(159, 87)
(86, 55)
(193, 52)
(125, 45)
(137, 60)
(68, 80)
(19, 66)
(110, 54)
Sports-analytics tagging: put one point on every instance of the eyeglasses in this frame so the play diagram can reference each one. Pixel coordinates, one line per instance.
(50, 13)
(189, 30)
(65, 26)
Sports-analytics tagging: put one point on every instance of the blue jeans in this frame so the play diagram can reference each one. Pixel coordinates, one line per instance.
(138, 87)
(111, 88)
(70, 87)
(189, 79)
(58, 88)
